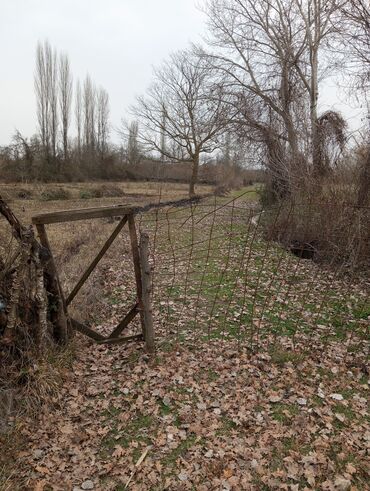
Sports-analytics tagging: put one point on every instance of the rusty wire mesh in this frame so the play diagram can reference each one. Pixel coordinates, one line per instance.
(221, 271)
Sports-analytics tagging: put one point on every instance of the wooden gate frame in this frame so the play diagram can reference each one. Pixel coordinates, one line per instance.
(141, 306)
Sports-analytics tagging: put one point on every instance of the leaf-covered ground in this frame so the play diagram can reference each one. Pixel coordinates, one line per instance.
(210, 418)
(259, 380)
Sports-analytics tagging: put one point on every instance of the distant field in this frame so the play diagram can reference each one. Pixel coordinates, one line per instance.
(76, 244)
(28, 199)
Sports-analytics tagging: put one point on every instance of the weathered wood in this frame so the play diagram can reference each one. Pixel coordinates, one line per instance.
(96, 261)
(137, 268)
(146, 292)
(83, 329)
(82, 214)
(20, 231)
(136, 337)
(58, 312)
(31, 252)
(52, 280)
(125, 321)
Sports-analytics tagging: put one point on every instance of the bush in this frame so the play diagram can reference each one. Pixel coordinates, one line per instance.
(221, 190)
(111, 191)
(53, 194)
(24, 194)
(326, 231)
(103, 191)
(86, 194)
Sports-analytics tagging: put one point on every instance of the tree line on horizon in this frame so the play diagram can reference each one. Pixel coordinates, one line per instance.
(250, 94)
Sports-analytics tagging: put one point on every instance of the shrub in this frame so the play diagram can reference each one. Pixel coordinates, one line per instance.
(86, 194)
(51, 194)
(105, 191)
(221, 190)
(326, 231)
(24, 194)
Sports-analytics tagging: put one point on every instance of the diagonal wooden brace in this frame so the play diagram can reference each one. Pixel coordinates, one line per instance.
(97, 259)
(125, 321)
(136, 337)
(87, 331)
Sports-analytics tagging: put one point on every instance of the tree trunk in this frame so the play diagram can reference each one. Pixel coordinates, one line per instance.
(364, 184)
(194, 175)
(28, 301)
(146, 293)
(317, 164)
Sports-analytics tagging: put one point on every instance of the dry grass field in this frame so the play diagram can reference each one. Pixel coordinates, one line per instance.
(29, 199)
(75, 244)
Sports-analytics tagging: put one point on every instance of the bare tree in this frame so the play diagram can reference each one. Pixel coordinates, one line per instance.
(42, 98)
(318, 23)
(24, 151)
(269, 52)
(102, 119)
(78, 116)
(226, 157)
(47, 97)
(163, 135)
(89, 113)
(185, 106)
(52, 66)
(356, 36)
(65, 99)
(133, 150)
(256, 43)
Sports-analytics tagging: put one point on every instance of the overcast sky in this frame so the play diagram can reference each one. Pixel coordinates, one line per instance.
(116, 41)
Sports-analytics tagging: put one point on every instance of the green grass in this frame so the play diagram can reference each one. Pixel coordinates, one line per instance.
(180, 451)
(282, 357)
(248, 193)
(345, 411)
(241, 287)
(284, 412)
(135, 430)
(227, 426)
(165, 410)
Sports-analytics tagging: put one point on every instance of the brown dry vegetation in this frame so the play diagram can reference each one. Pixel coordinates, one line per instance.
(76, 244)
(209, 413)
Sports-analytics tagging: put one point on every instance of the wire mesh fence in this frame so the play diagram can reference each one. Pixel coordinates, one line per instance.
(225, 270)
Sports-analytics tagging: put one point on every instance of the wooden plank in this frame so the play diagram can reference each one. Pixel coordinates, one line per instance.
(82, 214)
(136, 337)
(83, 329)
(97, 259)
(59, 314)
(146, 293)
(125, 321)
(137, 268)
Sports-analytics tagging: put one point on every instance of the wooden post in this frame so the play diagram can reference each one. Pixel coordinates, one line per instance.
(58, 312)
(137, 268)
(146, 292)
(61, 320)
